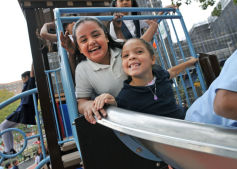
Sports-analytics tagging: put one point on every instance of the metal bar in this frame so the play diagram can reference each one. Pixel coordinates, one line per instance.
(192, 51)
(14, 98)
(182, 54)
(67, 81)
(54, 109)
(54, 70)
(39, 126)
(131, 17)
(67, 140)
(60, 103)
(113, 9)
(24, 144)
(43, 162)
(175, 59)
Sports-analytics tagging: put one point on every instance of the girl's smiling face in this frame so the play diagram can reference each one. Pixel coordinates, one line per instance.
(92, 42)
(137, 60)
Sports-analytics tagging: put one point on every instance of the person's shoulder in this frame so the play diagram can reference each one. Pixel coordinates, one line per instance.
(82, 65)
(160, 72)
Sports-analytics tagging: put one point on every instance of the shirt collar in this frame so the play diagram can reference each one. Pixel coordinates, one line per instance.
(113, 55)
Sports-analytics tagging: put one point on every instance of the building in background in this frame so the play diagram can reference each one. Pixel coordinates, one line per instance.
(216, 36)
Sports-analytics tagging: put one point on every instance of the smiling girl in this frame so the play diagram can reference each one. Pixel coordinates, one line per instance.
(148, 90)
(100, 63)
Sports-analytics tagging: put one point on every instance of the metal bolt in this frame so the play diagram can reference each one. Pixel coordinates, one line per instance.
(139, 149)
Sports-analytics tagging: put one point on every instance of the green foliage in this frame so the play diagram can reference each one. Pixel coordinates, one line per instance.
(4, 95)
(204, 3)
(217, 10)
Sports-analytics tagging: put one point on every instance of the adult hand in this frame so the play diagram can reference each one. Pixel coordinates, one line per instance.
(67, 43)
(152, 22)
(117, 24)
(171, 6)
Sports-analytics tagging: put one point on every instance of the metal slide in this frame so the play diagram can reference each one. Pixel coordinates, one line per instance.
(182, 144)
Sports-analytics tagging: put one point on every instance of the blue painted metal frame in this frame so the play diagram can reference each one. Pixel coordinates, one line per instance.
(67, 80)
(54, 109)
(43, 162)
(65, 69)
(59, 97)
(9, 101)
(192, 51)
(14, 98)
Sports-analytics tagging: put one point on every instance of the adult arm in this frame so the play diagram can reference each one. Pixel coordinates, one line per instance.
(174, 71)
(87, 108)
(44, 32)
(225, 104)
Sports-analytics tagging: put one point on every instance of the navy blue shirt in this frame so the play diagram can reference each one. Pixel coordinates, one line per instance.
(25, 112)
(141, 99)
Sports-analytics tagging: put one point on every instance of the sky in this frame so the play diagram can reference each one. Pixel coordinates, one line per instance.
(15, 57)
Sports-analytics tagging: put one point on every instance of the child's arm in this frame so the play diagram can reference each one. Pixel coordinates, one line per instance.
(153, 25)
(148, 35)
(103, 99)
(225, 104)
(168, 6)
(44, 32)
(70, 47)
(174, 71)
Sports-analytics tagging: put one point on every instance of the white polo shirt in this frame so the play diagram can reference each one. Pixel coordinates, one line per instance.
(93, 79)
(131, 27)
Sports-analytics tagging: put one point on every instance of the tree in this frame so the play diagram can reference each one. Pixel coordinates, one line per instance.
(4, 95)
(217, 10)
(204, 3)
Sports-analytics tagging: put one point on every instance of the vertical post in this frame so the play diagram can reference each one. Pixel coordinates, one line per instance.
(46, 107)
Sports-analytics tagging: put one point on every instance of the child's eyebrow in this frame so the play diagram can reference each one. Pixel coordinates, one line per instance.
(83, 36)
(95, 31)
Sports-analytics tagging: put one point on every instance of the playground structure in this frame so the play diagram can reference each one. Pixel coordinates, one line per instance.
(162, 139)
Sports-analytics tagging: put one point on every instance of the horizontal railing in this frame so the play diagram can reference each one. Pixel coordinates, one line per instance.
(40, 135)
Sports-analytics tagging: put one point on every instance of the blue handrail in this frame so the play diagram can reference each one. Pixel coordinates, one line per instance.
(43, 162)
(14, 98)
(11, 100)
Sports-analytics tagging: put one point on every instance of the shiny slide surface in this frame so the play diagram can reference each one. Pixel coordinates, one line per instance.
(182, 144)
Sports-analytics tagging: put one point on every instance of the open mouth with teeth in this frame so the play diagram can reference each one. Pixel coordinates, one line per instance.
(134, 65)
(94, 49)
